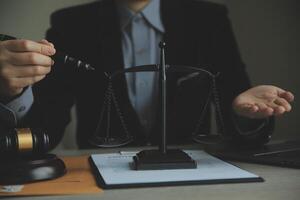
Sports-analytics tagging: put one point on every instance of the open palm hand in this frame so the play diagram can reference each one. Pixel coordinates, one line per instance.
(263, 101)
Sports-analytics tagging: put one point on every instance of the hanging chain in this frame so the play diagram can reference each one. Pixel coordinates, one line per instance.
(201, 118)
(106, 106)
(213, 93)
(219, 115)
(119, 112)
(109, 100)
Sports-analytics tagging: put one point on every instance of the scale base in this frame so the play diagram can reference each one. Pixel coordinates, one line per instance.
(156, 160)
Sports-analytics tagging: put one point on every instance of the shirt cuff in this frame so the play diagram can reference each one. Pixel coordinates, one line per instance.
(14, 111)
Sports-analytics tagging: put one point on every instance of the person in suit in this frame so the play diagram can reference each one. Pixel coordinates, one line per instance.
(113, 35)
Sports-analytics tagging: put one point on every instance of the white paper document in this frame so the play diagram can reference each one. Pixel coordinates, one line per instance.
(116, 169)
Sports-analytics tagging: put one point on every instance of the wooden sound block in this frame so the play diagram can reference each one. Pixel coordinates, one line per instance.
(25, 169)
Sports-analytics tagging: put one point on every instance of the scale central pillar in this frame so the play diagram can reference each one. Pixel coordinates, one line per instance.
(163, 158)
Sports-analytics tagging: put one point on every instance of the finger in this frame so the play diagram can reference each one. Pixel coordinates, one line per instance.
(26, 81)
(279, 110)
(242, 107)
(287, 95)
(249, 107)
(265, 109)
(261, 106)
(12, 71)
(30, 71)
(29, 46)
(257, 111)
(30, 59)
(246, 110)
(43, 41)
(254, 108)
(284, 103)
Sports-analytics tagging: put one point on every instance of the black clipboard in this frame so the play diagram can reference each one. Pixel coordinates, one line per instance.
(101, 179)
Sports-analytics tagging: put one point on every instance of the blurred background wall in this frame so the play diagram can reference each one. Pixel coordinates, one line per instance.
(267, 32)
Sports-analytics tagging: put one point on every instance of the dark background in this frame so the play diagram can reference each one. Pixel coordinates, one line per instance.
(267, 32)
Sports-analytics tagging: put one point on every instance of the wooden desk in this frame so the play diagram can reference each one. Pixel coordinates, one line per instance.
(280, 183)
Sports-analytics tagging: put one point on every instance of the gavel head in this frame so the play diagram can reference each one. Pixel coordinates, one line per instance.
(24, 141)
